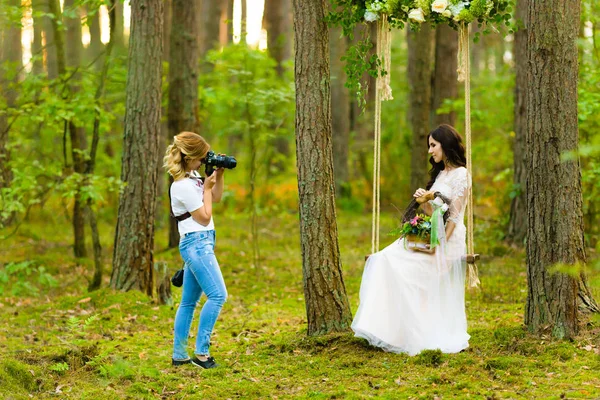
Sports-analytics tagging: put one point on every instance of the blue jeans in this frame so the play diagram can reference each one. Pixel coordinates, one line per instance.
(202, 274)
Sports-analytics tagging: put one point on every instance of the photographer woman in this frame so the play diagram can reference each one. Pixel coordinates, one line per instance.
(191, 203)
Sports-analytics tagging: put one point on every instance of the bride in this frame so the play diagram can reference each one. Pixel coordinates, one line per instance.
(411, 301)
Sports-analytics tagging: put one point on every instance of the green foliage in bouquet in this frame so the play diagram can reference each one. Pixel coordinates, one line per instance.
(419, 227)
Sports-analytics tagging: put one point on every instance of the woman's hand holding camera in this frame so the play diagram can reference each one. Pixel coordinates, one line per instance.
(211, 181)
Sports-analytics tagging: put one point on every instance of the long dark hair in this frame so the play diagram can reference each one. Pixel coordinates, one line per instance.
(453, 149)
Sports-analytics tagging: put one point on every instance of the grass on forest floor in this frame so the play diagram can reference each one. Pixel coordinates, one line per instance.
(67, 343)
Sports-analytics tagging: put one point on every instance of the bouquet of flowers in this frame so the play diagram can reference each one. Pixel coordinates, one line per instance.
(423, 232)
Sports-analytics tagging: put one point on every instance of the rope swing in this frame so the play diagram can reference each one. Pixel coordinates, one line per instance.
(383, 92)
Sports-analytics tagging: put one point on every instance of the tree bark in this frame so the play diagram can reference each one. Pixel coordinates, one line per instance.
(76, 133)
(50, 6)
(340, 98)
(420, 62)
(327, 305)
(229, 15)
(278, 37)
(96, 281)
(134, 237)
(36, 45)
(517, 225)
(182, 113)
(554, 198)
(96, 46)
(10, 64)
(244, 30)
(120, 40)
(211, 25)
(278, 31)
(445, 84)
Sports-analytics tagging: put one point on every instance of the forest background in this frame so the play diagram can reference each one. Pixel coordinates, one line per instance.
(62, 125)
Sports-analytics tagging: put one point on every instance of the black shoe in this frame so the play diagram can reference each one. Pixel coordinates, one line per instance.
(177, 363)
(209, 363)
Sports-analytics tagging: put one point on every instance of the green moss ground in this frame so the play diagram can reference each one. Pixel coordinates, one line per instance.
(67, 343)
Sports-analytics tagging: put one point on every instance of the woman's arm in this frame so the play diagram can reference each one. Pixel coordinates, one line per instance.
(423, 200)
(204, 213)
(217, 190)
(450, 225)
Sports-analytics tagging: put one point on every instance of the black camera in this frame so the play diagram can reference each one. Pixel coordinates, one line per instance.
(214, 161)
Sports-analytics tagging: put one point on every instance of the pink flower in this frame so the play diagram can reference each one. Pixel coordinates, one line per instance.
(414, 221)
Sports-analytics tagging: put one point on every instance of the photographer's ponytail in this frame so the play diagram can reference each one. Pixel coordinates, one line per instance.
(187, 146)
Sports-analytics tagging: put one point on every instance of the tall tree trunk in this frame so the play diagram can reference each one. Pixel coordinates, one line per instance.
(244, 19)
(96, 46)
(76, 133)
(340, 113)
(420, 62)
(278, 31)
(134, 238)
(327, 305)
(183, 80)
(52, 7)
(278, 36)
(37, 48)
(229, 14)
(554, 199)
(517, 225)
(10, 65)
(120, 40)
(210, 24)
(445, 84)
(96, 281)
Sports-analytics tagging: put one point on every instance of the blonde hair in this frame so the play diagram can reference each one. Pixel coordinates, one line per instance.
(186, 147)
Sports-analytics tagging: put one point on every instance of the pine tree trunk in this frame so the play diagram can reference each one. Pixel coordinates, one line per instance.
(182, 114)
(278, 38)
(211, 25)
(96, 46)
(134, 237)
(36, 45)
(445, 84)
(554, 198)
(278, 31)
(244, 31)
(517, 225)
(52, 7)
(420, 62)
(120, 40)
(340, 114)
(10, 64)
(76, 133)
(327, 305)
(229, 21)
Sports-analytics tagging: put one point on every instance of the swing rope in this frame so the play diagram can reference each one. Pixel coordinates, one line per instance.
(464, 74)
(383, 92)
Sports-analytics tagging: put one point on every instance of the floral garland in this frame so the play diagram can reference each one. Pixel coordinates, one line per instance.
(435, 11)
(399, 13)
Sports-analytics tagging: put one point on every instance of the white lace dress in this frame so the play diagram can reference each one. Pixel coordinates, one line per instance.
(412, 301)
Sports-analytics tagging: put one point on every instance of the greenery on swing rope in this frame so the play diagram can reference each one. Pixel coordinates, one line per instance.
(359, 59)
